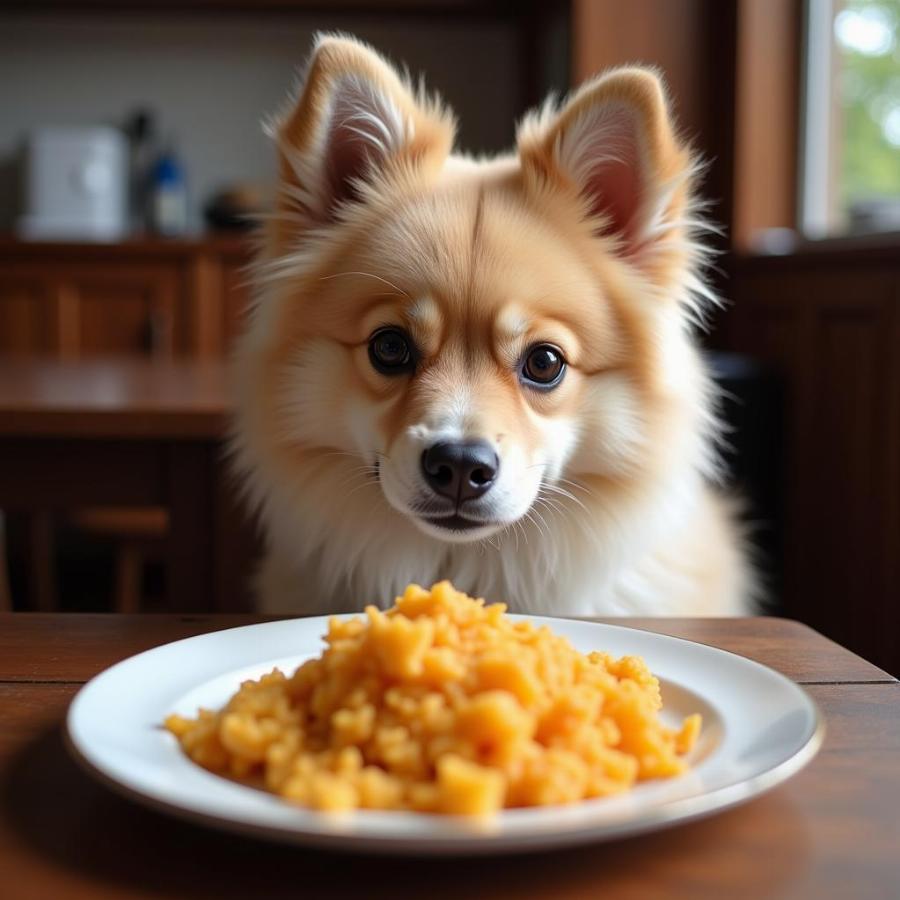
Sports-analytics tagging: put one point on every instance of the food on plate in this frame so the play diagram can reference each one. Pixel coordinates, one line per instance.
(443, 704)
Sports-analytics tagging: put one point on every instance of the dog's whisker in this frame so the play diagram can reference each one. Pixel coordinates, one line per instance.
(326, 453)
(365, 484)
(513, 528)
(352, 482)
(546, 504)
(564, 491)
(554, 489)
(550, 503)
(357, 472)
(390, 284)
(521, 527)
(532, 516)
(575, 484)
(542, 517)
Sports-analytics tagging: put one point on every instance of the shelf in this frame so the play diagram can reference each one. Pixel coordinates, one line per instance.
(476, 8)
(224, 243)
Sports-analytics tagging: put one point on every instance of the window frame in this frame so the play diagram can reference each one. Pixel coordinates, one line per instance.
(816, 199)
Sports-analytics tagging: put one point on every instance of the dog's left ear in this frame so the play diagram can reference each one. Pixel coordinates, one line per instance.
(613, 147)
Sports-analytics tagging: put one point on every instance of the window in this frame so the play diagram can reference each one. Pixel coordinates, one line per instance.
(850, 162)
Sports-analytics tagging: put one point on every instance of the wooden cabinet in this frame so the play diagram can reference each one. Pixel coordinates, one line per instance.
(148, 297)
(124, 307)
(28, 320)
(236, 296)
(830, 323)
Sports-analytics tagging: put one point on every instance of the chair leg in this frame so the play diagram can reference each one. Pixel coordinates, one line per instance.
(5, 590)
(42, 562)
(129, 569)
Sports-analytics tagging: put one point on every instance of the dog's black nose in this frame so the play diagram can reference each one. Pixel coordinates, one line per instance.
(460, 470)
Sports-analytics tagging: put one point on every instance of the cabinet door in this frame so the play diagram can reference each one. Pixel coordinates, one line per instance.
(121, 307)
(217, 301)
(28, 322)
(833, 332)
(235, 297)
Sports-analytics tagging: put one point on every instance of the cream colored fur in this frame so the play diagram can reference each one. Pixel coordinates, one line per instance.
(586, 237)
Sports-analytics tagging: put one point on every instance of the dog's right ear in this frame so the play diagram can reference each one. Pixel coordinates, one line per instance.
(354, 122)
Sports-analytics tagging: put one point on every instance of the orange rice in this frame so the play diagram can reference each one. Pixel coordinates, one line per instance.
(442, 704)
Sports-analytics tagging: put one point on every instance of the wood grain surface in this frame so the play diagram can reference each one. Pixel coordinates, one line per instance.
(123, 397)
(90, 643)
(832, 831)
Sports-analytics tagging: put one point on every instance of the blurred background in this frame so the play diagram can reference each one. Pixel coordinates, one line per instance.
(132, 158)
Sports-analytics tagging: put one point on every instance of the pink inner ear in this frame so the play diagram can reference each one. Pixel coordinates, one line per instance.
(364, 129)
(601, 151)
(348, 158)
(615, 192)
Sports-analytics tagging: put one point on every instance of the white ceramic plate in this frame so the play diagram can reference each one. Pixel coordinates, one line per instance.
(758, 729)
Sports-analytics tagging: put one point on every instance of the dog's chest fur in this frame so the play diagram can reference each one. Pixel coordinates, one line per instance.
(681, 558)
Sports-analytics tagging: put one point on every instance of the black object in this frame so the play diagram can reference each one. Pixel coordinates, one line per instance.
(140, 129)
(752, 408)
(228, 211)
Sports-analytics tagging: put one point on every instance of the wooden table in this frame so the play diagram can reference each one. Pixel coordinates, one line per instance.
(130, 432)
(831, 831)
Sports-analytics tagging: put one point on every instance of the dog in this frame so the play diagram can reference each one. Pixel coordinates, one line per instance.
(482, 370)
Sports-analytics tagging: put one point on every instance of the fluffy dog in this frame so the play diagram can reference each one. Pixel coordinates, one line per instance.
(482, 370)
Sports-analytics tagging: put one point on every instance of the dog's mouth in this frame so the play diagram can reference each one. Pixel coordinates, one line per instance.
(451, 519)
(456, 528)
(456, 522)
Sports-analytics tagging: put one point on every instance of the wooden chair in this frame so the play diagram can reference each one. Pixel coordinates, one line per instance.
(40, 556)
(5, 591)
(138, 534)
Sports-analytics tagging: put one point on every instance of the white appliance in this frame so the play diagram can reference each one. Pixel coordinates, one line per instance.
(76, 184)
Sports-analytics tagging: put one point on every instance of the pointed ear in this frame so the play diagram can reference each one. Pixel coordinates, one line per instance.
(613, 146)
(354, 120)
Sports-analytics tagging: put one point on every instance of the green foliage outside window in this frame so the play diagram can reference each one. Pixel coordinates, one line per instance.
(867, 36)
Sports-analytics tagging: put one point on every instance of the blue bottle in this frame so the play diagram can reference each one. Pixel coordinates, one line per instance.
(168, 196)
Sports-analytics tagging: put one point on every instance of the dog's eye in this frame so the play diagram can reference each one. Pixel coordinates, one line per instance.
(544, 366)
(391, 351)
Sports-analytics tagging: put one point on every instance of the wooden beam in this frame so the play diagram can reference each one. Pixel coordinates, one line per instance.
(767, 123)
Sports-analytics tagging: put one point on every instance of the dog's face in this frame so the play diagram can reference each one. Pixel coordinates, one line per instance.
(470, 336)
(461, 331)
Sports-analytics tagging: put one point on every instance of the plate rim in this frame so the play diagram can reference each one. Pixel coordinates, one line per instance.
(653, 818)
